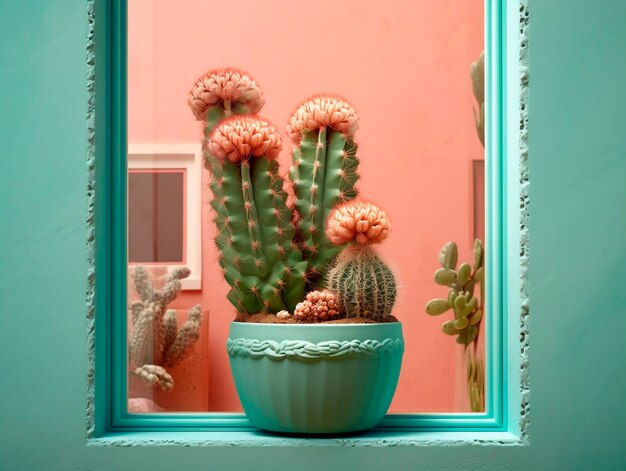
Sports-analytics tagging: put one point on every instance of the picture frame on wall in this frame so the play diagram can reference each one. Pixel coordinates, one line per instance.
(174, 174)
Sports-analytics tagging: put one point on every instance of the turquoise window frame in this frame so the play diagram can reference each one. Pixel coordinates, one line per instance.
(500, 420)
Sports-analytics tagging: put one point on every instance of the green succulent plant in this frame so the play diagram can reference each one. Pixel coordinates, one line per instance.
(465, 295)
(465, 282)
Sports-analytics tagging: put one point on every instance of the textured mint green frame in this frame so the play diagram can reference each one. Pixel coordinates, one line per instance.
(574, 119)
(110, 378)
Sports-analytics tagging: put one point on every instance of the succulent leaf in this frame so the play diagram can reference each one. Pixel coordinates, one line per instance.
(463, 273)
(445, 276)
(460, 303)
(452, 296)
(469, 288)
(474, 302)
(478, 254)
(448, 328)
(467, 310)
(448, 256)
(461, 323)
(435, 307)
(476, 317)
(462, 337)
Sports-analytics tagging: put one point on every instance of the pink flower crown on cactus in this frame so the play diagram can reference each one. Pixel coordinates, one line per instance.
(357, 221)
(321, 111)
(219, 85)
(240, 137)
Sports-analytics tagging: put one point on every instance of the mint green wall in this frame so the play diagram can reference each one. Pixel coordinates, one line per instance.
(578, 258)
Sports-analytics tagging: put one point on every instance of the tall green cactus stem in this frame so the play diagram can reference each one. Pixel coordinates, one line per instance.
(255, 235)
(323, 174)
(366, 287)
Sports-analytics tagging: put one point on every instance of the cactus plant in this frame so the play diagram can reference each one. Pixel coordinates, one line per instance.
(255, 235)
(477, 72)
(323, 173)
(318, 306)
(274, 248)
(366, 287)
(155, 341)
(462, 299)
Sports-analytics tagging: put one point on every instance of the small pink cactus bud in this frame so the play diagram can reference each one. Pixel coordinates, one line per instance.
(240, 137)
(283, 314)
(322, 111)
(319, 306)
(220, 85)
(359, 221)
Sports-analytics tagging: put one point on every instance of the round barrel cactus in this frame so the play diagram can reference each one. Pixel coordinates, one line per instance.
(364, 284)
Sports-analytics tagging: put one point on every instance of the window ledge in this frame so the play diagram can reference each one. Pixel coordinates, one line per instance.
(261, 439)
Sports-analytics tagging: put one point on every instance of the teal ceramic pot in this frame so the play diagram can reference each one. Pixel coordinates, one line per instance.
(315, 378)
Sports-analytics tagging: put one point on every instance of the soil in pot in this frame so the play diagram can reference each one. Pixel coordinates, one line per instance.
(263, 318)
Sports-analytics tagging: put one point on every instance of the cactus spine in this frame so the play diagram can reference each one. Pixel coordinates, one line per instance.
(323, 174)
(255, 234)
(365, 286)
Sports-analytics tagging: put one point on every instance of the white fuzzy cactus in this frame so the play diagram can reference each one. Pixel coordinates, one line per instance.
(156, 341)
(155, 375)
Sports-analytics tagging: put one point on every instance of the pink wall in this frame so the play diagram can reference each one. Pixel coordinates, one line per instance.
(405, 67)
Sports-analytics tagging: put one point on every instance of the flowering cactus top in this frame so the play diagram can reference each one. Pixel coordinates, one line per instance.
(321, 111)
(224, 84)
(240, 137)
(358, 221)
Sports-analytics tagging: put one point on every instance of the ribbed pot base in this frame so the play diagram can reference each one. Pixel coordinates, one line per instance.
(315, 379)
